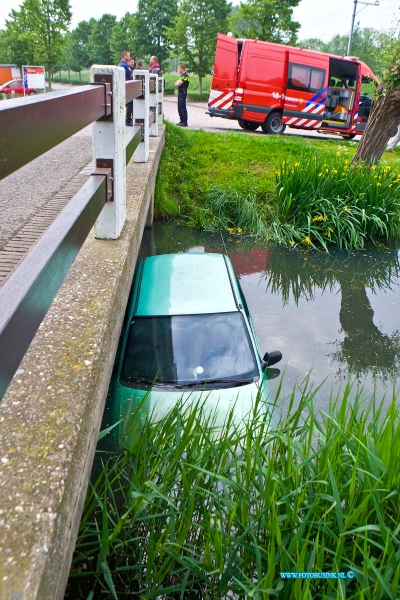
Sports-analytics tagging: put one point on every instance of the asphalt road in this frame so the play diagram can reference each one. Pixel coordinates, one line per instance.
(198, 119)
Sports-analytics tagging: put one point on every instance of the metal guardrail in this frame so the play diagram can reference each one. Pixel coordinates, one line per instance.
(28, 292)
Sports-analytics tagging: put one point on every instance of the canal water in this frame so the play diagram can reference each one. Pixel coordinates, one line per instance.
(333, 316)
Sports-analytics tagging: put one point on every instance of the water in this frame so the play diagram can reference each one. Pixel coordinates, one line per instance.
(330, 315)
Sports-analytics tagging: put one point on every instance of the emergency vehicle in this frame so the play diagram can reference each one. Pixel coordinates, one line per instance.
(268, 85)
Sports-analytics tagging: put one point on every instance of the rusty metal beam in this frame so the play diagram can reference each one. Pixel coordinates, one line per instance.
(133, 90)
(28, 292)
(31, 126)
(132, 139)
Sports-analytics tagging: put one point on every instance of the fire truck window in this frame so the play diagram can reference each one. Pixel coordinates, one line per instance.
(317, 79)
(304, 78)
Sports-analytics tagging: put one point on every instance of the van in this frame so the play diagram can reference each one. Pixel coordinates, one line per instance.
(268, 85)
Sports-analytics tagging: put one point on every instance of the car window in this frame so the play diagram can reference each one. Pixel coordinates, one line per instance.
(15, 84)
(189, 349)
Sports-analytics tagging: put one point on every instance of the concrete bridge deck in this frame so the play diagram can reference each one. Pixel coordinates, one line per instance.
(51, 414)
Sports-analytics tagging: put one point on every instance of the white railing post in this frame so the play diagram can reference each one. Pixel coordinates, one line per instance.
(141, 109)
(109, 143)
(153, 97)
(160, 100)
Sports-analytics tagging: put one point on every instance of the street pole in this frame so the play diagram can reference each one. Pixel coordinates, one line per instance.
(376, 3)
(352, 28)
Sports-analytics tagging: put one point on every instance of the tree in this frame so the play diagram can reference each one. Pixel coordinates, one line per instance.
(98, 46)
(385, 112)
(154, 17)
(123, 37)
(195, 33)
(36, 32)
(267, 20)
(6, 56)
(314, 44)
(368, 45)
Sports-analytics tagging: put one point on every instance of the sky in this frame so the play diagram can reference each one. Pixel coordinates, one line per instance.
(317, 19)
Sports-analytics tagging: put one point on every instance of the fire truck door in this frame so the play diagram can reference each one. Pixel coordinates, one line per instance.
(305, 96)
(225, 71)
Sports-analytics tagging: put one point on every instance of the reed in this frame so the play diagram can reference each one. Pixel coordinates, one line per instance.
(186, 511)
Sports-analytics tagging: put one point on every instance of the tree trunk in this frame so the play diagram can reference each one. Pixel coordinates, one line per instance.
(80, 76)
(381, 126)
(69, 75)
(49, 77)
(200, 85)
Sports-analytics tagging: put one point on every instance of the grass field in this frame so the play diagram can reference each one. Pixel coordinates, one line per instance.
(274, 186)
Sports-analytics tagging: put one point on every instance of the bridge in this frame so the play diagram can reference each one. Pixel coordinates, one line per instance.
(65, 279)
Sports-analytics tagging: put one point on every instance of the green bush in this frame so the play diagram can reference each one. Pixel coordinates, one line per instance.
(320, 202)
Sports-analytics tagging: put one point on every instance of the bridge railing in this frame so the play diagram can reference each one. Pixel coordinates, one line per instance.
(33, 126)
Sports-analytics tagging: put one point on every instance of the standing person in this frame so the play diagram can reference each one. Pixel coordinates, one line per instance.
(139, 64)
(394, 141)
(124, 62)
(154, 66)
(182, 84)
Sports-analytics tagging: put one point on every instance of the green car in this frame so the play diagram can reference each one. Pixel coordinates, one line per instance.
(188, 334)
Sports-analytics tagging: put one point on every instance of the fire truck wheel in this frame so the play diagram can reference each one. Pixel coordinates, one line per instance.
(248, 125)
(348, 136)
(273, 124)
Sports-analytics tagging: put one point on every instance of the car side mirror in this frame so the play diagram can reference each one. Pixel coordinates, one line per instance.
(271, 358)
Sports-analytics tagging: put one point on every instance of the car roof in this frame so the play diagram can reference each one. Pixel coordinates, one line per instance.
(179, 284)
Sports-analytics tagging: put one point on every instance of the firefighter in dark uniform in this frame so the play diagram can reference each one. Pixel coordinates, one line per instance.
(182, 84)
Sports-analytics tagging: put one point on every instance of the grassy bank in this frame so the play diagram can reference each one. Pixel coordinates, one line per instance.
(285, 189)
(182, 513)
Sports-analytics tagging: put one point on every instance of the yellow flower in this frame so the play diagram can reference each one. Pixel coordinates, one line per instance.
(318, 218)
(334, 171)
(307, 240)
(239, 230)
(390, 184)
(378, 184)
(319, 174)
(230, 229)
(292, 242)
(296, 164)
(373, 168)
(345, 208)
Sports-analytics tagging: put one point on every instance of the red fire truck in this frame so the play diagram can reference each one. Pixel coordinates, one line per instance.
(261, 84)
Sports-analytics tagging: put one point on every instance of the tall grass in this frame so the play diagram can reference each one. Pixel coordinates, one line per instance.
(325, 202)
(183, 513)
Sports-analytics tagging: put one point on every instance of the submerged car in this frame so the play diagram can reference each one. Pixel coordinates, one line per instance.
(187, 333)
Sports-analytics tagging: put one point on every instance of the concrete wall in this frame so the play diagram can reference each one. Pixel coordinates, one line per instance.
(51, 414)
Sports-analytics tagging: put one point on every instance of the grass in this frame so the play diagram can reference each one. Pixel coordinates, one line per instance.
(185, 513)
(284, 189)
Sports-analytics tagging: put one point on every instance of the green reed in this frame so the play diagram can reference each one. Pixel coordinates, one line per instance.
(188, 511)
(322, 202)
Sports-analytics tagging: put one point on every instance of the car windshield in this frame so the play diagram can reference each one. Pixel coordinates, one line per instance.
(213, 350)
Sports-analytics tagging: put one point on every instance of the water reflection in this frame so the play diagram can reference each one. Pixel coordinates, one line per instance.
(365, 348)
